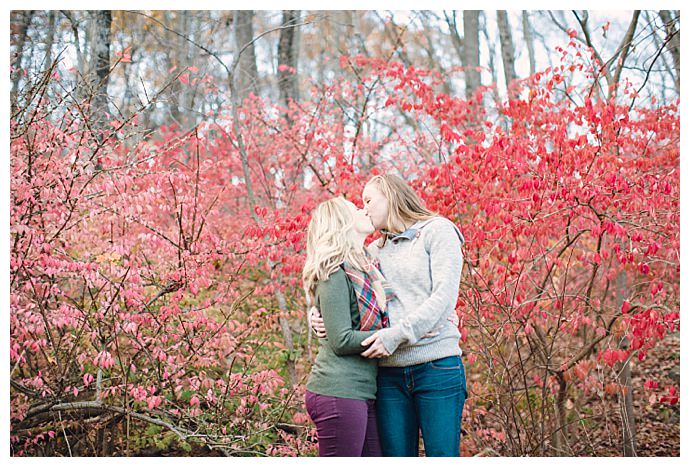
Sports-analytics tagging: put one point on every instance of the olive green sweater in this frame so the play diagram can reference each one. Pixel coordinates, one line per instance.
(339, 370)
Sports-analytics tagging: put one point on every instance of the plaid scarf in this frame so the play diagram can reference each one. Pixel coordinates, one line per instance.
(371, 315)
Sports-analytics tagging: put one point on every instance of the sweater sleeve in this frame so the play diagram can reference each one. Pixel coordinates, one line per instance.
(443, 242)
(334, 303)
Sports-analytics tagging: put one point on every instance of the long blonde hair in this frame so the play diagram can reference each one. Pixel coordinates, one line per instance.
(330, 242)
(404, 205)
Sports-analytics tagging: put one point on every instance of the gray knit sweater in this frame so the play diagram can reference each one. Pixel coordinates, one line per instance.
(423, 266)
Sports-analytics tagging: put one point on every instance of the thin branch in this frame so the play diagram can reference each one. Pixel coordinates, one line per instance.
(624, 49)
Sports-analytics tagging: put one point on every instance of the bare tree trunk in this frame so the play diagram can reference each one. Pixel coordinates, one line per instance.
(180, 92)
(196, 26)
(246, 73)
(80, 69)
(244, 41)
(625, 379)
(529, 40)
(50, 39)
(507, 49)
(627, 407)
(20, 25)
(288, 54)
(428, 46)
(321, 62)
(492, 66)
(290, 362)
(456, 40)
(359, 25)
(470, 20)
(560, 434)
(87, 17)
(23, 20)
(624, 49)
(659, 44)
(100, 64)
(673, 37)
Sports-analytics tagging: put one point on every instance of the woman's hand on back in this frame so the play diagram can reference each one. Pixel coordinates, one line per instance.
(316, 322)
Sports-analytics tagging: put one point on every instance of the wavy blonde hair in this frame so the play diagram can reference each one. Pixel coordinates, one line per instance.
(404, 205)
(330, 242)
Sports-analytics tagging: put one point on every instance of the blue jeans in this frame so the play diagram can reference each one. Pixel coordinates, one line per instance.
(429, 396)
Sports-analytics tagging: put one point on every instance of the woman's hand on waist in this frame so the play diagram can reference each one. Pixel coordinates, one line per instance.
(376, 348)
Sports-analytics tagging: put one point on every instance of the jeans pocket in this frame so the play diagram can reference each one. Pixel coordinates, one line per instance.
(447, 363)
(449, 373)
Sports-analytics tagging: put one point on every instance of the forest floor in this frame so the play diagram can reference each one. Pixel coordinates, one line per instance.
(657, 432)
(657, 424)
(598, 432)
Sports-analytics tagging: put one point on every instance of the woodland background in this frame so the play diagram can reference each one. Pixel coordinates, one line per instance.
(164, 165)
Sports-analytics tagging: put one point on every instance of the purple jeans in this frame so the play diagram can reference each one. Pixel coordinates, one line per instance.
(345, 427)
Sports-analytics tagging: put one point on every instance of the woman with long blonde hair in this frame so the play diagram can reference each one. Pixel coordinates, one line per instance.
(421, 378)
(344, 282)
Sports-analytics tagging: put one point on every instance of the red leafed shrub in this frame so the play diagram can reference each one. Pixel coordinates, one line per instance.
(155, 285)
(571, 212)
